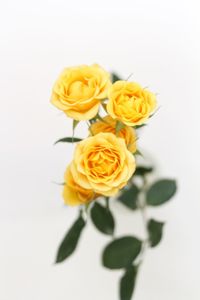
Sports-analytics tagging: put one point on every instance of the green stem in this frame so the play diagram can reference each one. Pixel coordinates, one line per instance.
(81, 211)
(143, 209)
(107, 203)
(84, 211)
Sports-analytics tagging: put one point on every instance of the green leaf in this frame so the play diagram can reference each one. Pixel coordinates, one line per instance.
(70, 241)
(121, 252)
(102, 219)
(138, 153)
(104, 105)
(129, 197)
(155, 230)
(139, 126)
(141, 170)
(154, 112)
(127, 283)
(68, 140)
(75, 123)
(115, 77)
(161, 191)
(119, 126)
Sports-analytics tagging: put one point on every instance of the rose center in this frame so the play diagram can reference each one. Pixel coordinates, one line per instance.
(103, 163)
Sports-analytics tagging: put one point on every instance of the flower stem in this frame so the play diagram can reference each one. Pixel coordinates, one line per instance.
(143, 209)
(107, 203)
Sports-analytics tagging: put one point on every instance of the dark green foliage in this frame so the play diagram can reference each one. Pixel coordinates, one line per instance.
(70, 241)
(102, 218)
(161, 191)
(142, 170)
(155, 230)
(129, 197)
(115, 77)
(121, 252)
(68, 140)
(127, 283)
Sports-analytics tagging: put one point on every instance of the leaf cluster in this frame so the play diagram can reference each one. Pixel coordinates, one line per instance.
(124, 252)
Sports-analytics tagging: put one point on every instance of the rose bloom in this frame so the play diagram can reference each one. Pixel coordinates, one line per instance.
(102, 163)
(108, 124)
(74, 194)
(79, 90)
(130, 103)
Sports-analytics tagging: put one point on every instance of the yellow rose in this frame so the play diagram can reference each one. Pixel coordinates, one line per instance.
(108, 124)
(73, 193)
(79, 90)
(102, 163)
(130, 103)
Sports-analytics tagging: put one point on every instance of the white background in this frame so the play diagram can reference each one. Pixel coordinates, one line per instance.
(157, 41)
